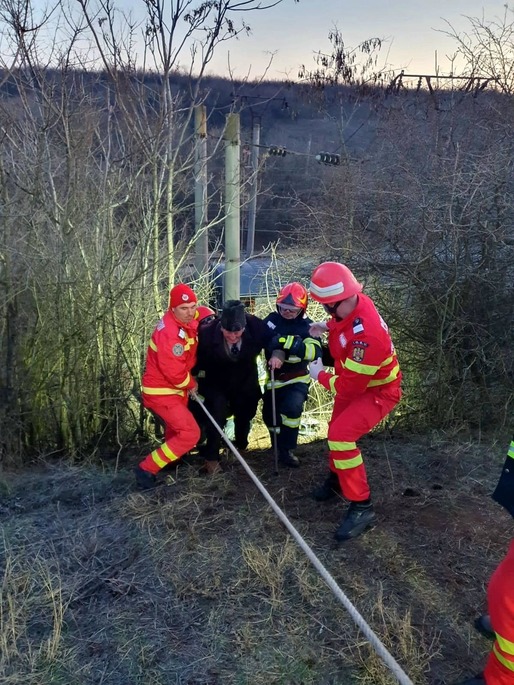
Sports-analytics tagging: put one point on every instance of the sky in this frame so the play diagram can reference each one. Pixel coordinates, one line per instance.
(412, 31)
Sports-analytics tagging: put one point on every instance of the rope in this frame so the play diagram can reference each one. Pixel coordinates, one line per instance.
(373, 639)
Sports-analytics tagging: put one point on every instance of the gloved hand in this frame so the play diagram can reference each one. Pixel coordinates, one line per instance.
(291, 344)
(317, 329)
(315, 367)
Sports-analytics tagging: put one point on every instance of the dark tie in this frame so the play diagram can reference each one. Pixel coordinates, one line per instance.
(234, 350)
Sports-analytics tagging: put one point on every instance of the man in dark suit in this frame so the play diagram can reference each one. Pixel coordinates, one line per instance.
(228, 378)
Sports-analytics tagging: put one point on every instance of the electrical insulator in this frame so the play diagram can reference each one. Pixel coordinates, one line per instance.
(328, 158)
(278, 151)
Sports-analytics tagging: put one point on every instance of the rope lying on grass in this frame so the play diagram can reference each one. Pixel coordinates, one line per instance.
(375, 642)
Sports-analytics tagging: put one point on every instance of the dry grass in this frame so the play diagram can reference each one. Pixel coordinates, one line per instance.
(198, 583)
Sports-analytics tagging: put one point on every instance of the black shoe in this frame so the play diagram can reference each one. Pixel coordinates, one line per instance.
(289, 459)
(476, 680)
(144, 479)
(359, 518)
(483, 625)
(328, 489)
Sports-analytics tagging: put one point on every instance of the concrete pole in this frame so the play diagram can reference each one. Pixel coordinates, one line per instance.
(201, 233)
(231, 284)
(252, 211)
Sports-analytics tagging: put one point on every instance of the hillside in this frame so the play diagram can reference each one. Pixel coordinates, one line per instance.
(198, 583)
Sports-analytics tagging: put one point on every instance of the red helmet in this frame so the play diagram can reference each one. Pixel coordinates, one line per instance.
(204, 314)
(333, 282)
(293, 295)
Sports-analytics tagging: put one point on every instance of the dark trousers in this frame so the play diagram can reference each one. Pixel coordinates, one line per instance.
(289, 401)
(221, 405)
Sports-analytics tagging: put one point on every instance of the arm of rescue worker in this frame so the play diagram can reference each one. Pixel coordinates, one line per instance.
(174, 364)
(307, 349)
(317, 329)
(365, 356)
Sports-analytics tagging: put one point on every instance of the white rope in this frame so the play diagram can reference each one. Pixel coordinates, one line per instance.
(375, 642)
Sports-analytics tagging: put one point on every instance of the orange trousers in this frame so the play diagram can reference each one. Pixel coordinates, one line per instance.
(499, 669)
(350, 421)
(181, 432)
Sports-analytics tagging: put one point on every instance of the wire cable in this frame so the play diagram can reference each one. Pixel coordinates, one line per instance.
(373, 639)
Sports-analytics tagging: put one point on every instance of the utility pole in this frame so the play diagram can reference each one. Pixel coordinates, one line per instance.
(231, 282)
(252, 211)
(201, 233)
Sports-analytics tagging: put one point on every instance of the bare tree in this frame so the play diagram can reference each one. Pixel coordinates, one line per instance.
(97, 159)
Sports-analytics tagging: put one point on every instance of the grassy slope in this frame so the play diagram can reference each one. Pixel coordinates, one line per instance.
(199, 583)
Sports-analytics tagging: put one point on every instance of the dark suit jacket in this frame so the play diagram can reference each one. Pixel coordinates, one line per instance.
(217, 371)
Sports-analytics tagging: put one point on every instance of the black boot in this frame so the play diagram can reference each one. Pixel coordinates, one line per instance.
(288, 459)
(483, 625)
(144, 479)
(476, 680)
(328, 489)
(359, 517)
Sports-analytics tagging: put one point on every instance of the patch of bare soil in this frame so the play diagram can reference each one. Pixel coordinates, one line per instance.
(198, 583)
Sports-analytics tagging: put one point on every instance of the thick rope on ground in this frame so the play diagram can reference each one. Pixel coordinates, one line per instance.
(373, 639)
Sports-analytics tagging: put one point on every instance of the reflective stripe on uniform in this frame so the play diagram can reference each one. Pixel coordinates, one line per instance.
(185, 382)
(310, 348)
(388, 379)
(335, 446)
(290, 423)
(189, 343)
(505, 662)
(505, 645)
(344, 464)
(157, 459)
(282, 384)
(510, 453)
(358, 367)
(162, 391)
(152, 345)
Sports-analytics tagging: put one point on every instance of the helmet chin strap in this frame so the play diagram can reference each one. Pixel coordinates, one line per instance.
(332, 308)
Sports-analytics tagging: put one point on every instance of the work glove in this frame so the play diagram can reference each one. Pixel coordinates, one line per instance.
(293, 345)
(317, 329)
(315, 367)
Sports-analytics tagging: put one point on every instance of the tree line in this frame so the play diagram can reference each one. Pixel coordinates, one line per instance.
(97, 217)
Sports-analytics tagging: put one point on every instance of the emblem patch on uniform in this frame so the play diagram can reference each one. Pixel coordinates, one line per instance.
(357, 326)
(178, 350)
(343, 340)
(271, 325)
(358, 354)
(160, 325)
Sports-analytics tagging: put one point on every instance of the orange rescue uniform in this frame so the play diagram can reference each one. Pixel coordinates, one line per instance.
(167, 378)
(499, 669)
(366, 384)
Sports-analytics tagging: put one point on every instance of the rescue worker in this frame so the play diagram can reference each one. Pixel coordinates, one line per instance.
(167, 381)
(228, 379)
(499, 669)
(204, 314)
(365, 382)
(289, 349)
